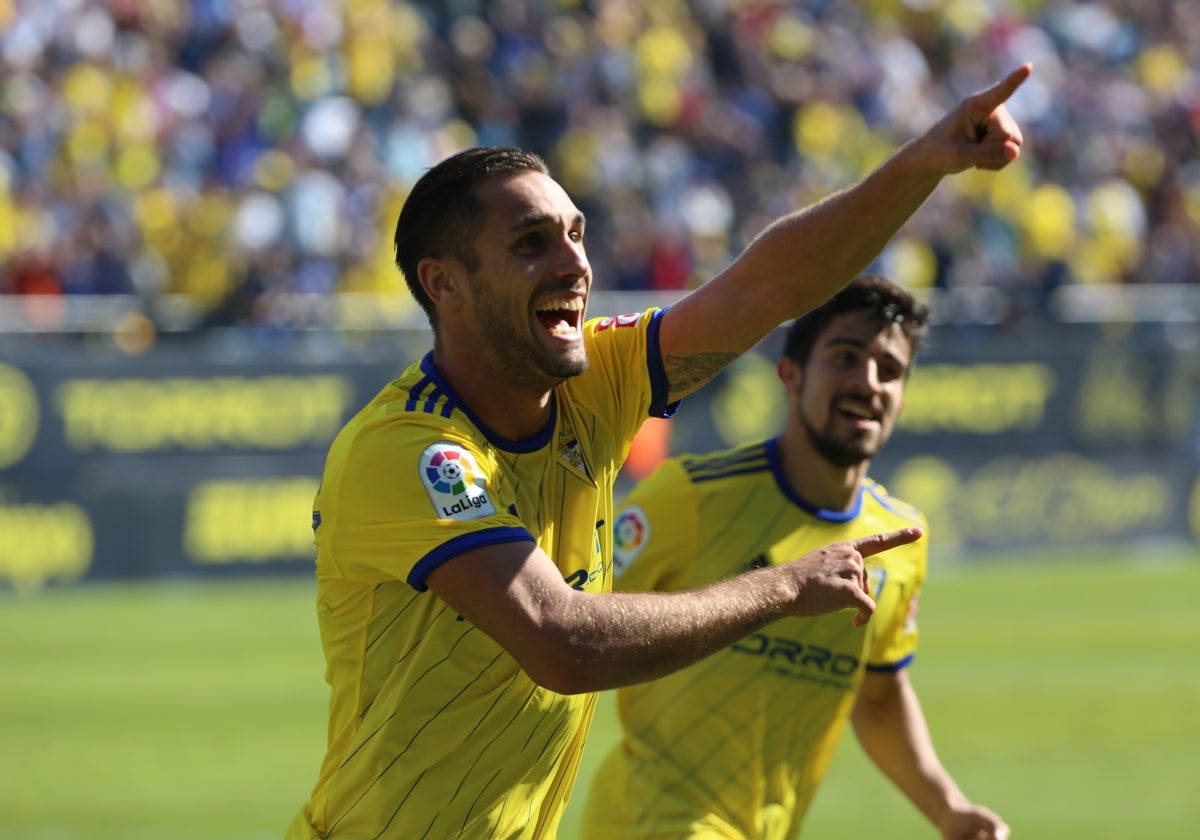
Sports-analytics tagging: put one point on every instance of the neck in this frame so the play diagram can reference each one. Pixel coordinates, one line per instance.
(814, 479)
(506, 408)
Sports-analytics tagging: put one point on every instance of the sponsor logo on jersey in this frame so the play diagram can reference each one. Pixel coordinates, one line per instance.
(456, 485)
(580, 578)
(619, 321)
(630, 535)
(790, 658)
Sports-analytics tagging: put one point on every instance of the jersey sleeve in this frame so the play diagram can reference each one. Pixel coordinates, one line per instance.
(409, 496)
(655, 533)
(626, 373)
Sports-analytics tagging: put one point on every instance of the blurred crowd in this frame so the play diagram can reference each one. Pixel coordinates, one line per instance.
(240, 154)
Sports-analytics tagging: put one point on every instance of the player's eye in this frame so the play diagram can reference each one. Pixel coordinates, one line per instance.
(530, 243)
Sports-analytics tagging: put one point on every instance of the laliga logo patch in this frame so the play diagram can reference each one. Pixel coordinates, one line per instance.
(456, 486)
(630, 535)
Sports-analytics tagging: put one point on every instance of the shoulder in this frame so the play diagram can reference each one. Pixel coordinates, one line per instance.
(614, 326)
(681, 484)
(744, 461)
(412, 417)
(704, 472)
(891, 507)
(419, 396)
(613, 339)
(625, 373)
(884, 512)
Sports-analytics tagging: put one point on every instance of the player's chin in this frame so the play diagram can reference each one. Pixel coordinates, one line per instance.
(568, 361)
(850, 453)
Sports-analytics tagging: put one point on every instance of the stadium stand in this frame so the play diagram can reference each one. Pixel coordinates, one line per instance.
(215, 163)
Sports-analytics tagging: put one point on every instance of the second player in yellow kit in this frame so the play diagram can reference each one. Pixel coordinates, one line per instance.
(737, 744)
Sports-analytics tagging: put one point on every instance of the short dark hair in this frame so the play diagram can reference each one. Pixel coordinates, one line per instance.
(876, 297)
(442, 211)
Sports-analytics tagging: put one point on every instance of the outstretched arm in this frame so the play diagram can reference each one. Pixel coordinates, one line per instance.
(573, 641)
(804, 258)
(891, 727)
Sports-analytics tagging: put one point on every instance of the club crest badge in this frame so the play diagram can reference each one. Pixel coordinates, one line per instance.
(631, 532)
(876, 578)
(455, 484)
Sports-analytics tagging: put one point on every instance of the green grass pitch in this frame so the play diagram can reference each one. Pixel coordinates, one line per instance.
(1063, 692)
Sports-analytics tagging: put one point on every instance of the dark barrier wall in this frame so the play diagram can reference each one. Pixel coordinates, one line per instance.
(1070, 436)
(196, 461)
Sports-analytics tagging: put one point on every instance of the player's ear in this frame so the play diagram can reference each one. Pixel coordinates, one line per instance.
(442, 280)
(789, 371)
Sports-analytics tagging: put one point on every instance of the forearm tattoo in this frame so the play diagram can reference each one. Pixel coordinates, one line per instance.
(686, 373)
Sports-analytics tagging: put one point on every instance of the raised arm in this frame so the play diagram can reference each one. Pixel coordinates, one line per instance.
(572, 641)
(802, 259)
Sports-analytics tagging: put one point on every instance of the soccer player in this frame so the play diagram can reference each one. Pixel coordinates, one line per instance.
(735, 746)
(463, 524)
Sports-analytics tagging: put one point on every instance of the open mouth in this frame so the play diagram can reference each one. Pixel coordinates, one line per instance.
(562, 318)
(857, 412)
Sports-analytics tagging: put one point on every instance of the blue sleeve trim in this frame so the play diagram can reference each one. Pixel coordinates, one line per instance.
(460, 545)
(659, 407)
(892, 667)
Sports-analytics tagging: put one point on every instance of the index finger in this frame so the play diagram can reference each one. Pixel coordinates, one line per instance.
(875, 543)
(998, 94)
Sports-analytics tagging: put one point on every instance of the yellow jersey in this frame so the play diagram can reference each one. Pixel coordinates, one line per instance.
(434, 730)
(735, 746)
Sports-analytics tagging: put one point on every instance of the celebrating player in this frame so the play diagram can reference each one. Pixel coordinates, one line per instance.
(463, 525)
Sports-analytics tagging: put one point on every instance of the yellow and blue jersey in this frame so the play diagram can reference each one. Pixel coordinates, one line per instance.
(736, 745)
(434, 730)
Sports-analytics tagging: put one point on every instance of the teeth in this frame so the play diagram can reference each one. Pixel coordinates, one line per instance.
(572, 304)
(858, 411)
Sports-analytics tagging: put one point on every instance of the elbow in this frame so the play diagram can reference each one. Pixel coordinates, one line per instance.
(562, 675)
(560, 653)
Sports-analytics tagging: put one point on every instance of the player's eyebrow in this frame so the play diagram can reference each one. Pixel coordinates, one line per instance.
(532, 220)
(861, 345)
(841, 339)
